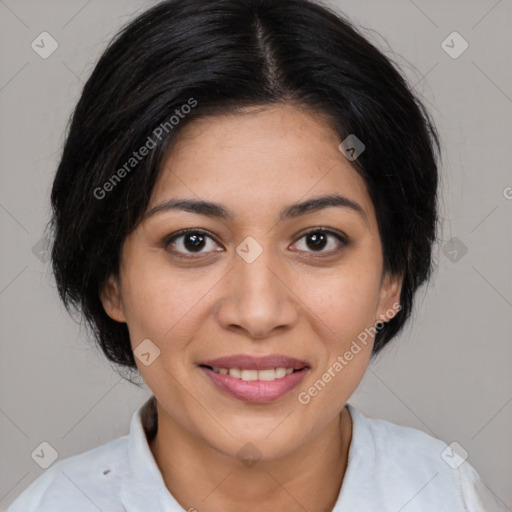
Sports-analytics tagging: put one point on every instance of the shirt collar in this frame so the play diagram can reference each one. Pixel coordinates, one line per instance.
(143, 487)
(361, 461)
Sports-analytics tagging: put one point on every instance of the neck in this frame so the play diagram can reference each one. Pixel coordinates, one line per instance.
(202, 478)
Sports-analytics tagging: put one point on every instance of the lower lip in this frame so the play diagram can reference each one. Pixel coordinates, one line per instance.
(259, 391)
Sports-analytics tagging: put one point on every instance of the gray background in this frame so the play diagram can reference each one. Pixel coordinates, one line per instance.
(449, 373)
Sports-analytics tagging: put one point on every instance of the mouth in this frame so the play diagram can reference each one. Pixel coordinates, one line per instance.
(255, 379)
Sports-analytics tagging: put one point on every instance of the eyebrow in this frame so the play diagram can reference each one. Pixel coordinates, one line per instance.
(211, 209)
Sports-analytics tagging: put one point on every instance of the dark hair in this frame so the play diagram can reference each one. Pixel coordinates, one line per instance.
(217, 57)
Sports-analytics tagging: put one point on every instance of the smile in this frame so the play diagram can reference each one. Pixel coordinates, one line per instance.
(255, 379)
(250, 375)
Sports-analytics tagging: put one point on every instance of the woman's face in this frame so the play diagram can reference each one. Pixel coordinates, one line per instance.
(253, 283)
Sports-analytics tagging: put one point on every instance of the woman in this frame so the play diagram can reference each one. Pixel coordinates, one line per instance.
(244, 210)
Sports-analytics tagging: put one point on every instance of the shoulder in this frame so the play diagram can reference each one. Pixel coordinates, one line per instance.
(87, 480)
(394, 442)
(408, 466)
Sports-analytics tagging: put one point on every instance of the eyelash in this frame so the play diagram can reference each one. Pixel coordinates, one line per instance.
(342, 239)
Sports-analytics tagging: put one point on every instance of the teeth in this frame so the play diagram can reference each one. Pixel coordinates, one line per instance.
(269, 374)
(249, 375)
(235, 372)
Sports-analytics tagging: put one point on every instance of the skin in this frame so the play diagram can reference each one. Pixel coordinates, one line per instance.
(293, 299)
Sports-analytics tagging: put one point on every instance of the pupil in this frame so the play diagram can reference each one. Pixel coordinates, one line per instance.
(318, 240)
(197, 242)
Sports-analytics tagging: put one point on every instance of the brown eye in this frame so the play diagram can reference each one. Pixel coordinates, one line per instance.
(322, 241)
(194, 242)
(189, 242)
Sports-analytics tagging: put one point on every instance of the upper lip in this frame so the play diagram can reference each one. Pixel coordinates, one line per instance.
(248, 362)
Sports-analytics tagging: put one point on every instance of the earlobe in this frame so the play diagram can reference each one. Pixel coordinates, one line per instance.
(110, 297)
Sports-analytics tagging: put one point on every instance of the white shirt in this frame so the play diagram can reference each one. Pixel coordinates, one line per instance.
(390, 468)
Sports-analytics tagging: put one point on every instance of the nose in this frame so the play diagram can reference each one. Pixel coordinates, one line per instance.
(258, 300)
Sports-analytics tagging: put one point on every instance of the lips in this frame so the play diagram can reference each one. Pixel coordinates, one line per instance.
(223, 373)
(247, 362)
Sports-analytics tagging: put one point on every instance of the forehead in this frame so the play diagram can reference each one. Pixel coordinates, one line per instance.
(258, 160)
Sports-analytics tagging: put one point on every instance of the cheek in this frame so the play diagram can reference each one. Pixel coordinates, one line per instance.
(163, 304)
(343, 309)
(346, 300)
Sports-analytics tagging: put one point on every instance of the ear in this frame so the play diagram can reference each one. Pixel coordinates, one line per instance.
(389, 300)
(110, 297)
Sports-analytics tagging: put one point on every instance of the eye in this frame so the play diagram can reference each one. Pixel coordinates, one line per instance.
(189, 242)
(317, 239)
